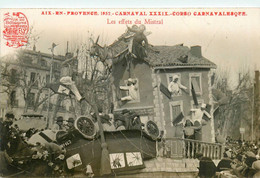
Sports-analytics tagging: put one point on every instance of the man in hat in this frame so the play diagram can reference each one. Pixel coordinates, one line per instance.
(175, 86)
(131, 120)
(58, 125)
(6, 130)
(106, 120)
(189, 129)
(70, 124)
(132, 88)
(207, 167)
(225, 162)
(119, 124)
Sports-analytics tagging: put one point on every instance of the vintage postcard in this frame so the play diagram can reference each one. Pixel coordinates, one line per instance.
(130, 92)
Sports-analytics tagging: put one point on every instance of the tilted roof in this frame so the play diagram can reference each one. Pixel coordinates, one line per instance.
(166, 56)
(178, 55)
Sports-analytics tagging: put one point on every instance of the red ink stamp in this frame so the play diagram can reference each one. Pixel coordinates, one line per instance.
(16, 27)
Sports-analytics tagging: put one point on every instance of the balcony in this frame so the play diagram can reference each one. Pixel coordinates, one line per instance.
(187, 149)
(176, 157)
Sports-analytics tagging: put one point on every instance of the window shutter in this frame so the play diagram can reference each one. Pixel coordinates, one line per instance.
(178, 119)
(196, 83)
(165, 91)
(177, 114)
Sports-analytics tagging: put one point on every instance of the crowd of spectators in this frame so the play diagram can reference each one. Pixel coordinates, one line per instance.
(243, 159)
(240, 159)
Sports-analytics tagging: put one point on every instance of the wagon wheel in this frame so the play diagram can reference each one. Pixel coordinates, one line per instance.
(152, 129)
(86, 127)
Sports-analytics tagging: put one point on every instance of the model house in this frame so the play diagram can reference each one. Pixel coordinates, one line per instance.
(164, 80)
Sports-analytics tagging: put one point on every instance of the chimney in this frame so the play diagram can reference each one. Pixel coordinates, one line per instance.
(196, 51)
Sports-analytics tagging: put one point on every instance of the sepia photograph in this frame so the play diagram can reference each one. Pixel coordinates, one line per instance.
(130, 92)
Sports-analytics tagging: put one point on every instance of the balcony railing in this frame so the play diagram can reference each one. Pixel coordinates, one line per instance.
(187, 148)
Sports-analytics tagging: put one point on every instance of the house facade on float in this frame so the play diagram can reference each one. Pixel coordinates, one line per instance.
(36, 66)
(153, 75)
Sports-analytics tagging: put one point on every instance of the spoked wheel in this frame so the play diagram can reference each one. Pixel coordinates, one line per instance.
(152, 129)
(86, 127)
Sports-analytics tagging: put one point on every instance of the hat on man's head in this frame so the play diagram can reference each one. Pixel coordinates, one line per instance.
(256, 165)
(203, 105)
(133, 81)
(175, 77)
(9, 114)
(70, 120)
(142, 27)
(124, 111)
(118, 117)
(59, 119)
(198, 155)
(100, 109)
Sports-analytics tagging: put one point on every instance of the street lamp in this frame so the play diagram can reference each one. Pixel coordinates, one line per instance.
(49, 94)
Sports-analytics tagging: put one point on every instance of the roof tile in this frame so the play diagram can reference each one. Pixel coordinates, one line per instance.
(159, 56)
(166, 56)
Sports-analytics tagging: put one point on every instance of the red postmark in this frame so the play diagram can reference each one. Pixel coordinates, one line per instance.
(16, 27)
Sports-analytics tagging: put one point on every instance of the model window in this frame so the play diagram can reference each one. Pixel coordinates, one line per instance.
(33, 79)
(174, 84)
(195, 82)
(176, 109)
(43, 63)
(130, 91)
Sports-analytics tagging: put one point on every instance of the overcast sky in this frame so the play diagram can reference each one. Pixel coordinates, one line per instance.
(230, 42)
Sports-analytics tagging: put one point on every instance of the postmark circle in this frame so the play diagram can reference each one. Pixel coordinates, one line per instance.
(16, 28)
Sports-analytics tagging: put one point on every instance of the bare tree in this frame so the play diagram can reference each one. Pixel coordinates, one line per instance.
(15, 77)
(237, 111)
(94, 84)
(8, 84)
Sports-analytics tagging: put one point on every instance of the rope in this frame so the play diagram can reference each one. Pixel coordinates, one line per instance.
(22, 170)
(74, 148)
(136, 146)
(14, 175)
(147, 145)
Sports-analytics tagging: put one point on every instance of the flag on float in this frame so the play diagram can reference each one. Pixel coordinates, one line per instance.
(59, 88)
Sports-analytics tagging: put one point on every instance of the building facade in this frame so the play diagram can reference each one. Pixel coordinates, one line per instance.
(153, 76)
(27, 74)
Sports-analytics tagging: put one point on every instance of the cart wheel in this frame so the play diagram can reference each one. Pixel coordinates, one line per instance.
(86, 127)
(152, 129)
